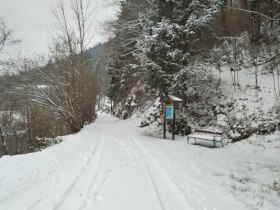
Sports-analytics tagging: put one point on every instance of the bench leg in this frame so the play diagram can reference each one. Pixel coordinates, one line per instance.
(188, 138)
(195, 140)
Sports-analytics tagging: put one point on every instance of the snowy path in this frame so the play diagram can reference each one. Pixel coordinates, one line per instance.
(102, 167)
(110, 165)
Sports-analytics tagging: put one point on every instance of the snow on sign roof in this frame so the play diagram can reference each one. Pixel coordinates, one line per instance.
(174, 98)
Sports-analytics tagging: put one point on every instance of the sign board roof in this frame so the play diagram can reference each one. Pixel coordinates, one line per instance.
(174, 98)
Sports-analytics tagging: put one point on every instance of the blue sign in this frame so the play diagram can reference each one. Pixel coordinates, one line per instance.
(169, 112)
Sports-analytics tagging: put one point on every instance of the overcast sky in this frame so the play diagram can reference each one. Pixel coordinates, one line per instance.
(32, 22)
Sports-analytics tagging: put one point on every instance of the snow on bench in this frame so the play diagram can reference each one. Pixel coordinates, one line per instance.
(207, 135)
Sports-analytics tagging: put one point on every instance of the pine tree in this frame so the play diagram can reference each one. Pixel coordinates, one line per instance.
(174, 33)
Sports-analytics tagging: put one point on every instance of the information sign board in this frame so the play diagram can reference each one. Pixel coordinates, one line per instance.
(169, 112)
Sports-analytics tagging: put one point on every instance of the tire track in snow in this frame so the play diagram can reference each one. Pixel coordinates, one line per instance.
(191, 194)
(155, 188)
(95, 190)
(102, 178)
(135, 157)
(162, 184)
(90, 167)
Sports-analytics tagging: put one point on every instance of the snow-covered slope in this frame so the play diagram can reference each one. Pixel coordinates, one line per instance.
(111, 165)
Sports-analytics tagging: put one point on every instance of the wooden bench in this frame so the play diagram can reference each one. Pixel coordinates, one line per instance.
(207, 135)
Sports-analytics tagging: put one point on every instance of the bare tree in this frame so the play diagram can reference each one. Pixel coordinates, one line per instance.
(69, 82)
(254, 10)
(6, 40)
(6, 36)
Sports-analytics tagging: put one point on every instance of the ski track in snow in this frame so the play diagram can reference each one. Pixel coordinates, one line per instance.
(85, 189)
(136, 156)
(89, 173)
(154, 169)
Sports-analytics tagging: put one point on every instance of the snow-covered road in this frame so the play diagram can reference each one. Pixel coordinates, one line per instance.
(110, 165)
(102, 167)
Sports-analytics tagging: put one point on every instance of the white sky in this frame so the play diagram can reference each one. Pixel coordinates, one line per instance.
(32, 21)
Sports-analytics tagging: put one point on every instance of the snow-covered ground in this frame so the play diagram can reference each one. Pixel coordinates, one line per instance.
(111, 165)
(261, 99)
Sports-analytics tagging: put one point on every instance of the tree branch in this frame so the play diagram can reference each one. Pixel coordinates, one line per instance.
(254, 12)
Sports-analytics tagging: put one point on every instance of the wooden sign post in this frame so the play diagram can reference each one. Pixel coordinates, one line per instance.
(169, 108)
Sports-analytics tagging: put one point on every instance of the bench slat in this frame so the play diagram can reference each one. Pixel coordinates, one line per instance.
(206, 137)
(200, 130)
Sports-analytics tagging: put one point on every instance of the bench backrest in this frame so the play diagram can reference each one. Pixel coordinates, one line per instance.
(202, 130)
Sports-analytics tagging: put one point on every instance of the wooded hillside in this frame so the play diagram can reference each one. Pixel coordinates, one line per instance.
(157, 47)
(182, 47)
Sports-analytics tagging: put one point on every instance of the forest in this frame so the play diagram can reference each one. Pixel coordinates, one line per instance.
(156, 47)
(184, 48)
